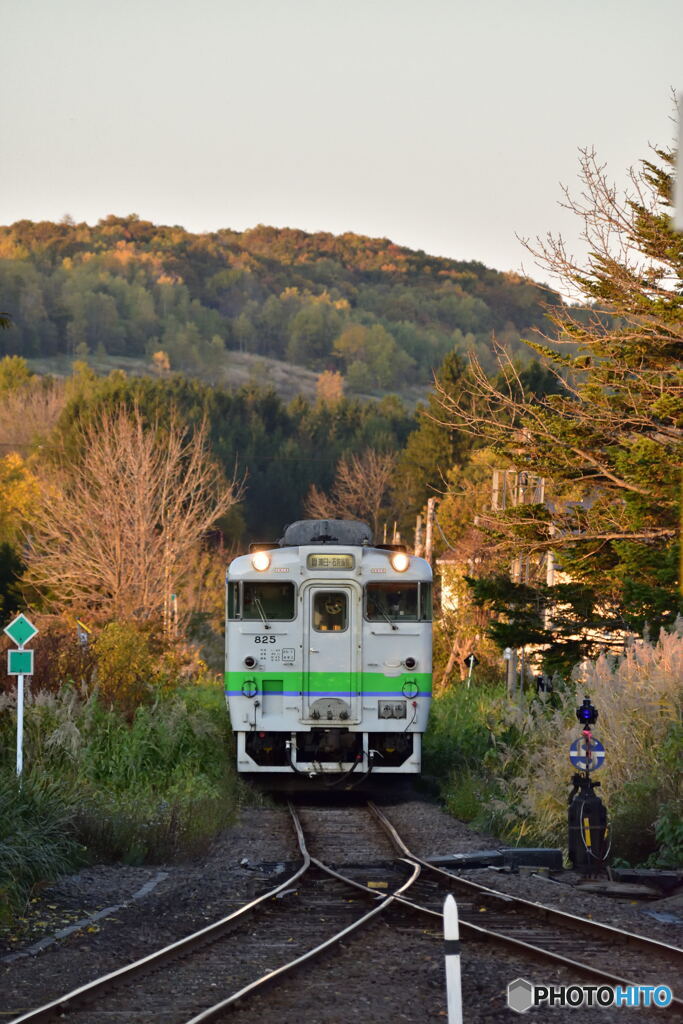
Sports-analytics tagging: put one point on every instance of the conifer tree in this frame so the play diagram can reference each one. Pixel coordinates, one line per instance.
(609, 443)
(434, 447)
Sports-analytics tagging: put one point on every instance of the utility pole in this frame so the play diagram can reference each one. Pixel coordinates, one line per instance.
(509, 489)
(419, 546)
(429, 532)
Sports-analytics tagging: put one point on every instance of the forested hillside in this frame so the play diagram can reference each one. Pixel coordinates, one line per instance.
(380, 314)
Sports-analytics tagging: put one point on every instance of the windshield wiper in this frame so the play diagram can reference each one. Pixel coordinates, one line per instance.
(381, 608)
(259, 608)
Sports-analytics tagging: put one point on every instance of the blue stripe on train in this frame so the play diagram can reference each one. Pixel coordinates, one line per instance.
(331, 693)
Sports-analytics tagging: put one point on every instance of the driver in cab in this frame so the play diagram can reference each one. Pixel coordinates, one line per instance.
(329, 613)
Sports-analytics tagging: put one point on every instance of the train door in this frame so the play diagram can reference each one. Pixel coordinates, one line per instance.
(331, 678)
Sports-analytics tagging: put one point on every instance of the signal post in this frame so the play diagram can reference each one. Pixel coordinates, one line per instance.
(20, 664)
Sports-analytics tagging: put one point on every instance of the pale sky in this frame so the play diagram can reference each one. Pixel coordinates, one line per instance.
(445, 125)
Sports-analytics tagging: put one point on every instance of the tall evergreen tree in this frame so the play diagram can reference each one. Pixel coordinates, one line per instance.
(609, 442)
(434, 446)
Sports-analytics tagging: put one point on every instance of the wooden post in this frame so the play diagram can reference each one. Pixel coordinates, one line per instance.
(419, 546)
(449, 664)
(429, 532)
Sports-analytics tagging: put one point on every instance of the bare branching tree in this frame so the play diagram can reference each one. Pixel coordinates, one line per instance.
(360, 489)
(117, 529)
(29, 413)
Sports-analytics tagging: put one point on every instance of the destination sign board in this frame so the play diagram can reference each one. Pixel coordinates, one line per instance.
(331, 561)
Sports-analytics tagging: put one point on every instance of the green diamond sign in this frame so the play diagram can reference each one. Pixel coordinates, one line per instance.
(21, 630)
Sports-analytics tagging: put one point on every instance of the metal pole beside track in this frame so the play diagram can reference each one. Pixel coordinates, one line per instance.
(20, 726)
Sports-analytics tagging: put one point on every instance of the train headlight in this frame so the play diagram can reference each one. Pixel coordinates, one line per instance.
(400, 561)
(260, 560)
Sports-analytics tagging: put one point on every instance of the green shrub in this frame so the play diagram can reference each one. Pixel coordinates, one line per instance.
(463, 724)
(466, 795)
(465, 728)
(125, 665)
(669, 836)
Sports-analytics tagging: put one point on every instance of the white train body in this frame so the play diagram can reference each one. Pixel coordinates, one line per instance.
(328, 654)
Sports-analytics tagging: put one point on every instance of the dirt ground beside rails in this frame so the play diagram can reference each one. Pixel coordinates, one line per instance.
(398, 979)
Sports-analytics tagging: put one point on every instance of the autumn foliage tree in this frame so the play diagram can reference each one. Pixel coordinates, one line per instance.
(115, 533)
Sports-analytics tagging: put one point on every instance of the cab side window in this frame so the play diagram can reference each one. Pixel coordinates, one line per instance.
(233, 600)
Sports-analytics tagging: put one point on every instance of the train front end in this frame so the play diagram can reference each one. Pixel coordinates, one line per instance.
(328, 655)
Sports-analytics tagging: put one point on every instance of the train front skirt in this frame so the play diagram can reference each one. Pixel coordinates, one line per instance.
(329, 752)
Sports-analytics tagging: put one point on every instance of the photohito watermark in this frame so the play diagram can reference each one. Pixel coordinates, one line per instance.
(522, 995)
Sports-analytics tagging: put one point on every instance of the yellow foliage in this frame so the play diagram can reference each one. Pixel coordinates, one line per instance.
(329, 388)
(19, 494)
(161, 362)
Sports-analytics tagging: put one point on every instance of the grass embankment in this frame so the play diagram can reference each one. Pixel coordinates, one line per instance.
(504, 767)
(98, 785)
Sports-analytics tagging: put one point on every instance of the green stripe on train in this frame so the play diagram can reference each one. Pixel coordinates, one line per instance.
(323, 683)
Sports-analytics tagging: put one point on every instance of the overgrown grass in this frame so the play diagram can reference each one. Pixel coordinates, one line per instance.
(156, 787)
(36, 837)
(505, 766)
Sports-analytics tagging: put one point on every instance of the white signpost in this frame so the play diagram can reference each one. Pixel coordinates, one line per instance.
(451, 934)
(20, 664)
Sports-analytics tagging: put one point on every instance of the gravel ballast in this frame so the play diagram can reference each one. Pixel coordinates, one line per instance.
(133, 910)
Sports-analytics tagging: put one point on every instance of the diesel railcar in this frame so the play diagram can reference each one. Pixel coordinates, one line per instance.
(328, 655)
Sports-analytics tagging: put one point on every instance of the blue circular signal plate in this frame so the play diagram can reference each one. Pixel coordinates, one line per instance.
(578, 754)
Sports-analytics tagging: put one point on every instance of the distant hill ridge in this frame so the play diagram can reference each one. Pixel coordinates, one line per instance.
(380, 314)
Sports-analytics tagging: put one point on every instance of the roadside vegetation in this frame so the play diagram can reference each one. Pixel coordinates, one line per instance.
(503, 765)
(141, 773)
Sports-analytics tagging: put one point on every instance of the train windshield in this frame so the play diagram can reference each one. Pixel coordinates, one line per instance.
(330, 611)
(394, 602)
(267, 601)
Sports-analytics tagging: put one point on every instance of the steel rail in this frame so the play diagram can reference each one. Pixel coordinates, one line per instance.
(386, 899)
(212, 931)
(652, 945)
(538, 909)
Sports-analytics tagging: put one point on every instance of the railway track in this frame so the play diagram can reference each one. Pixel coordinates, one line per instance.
(204, 976)
(584, 946)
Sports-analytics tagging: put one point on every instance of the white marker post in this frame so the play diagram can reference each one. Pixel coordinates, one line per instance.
(471, 660)
(20, 726)
(20, 664)
(451, 934)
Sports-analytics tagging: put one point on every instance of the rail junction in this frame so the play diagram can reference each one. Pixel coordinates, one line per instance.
(323, 904)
